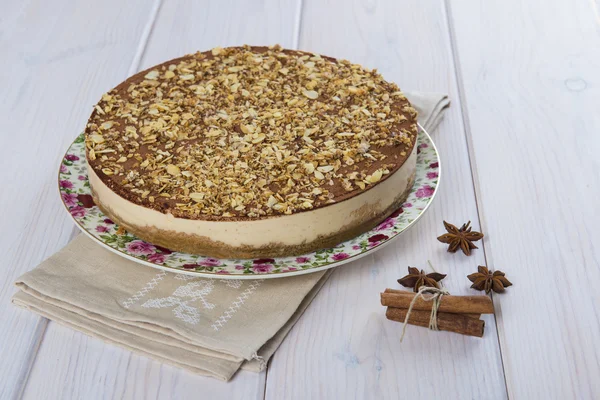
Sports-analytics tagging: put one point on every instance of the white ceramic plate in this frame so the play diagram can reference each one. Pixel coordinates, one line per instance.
(76, 195)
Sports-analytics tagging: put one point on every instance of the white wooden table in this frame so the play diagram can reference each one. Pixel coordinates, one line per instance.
(520, 149)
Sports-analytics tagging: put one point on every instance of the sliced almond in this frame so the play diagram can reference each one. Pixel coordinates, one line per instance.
(152, 75)
(325, 168)
(311, 94)
(271, 201)
(261, 182)
(375, 176)
(97, 138)
(173, 170)
(198, 197)
(259, 138)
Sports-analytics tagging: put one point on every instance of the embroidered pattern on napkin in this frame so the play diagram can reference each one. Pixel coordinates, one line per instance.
(193, 294)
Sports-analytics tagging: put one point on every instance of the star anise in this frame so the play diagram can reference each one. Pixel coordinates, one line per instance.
(488, 280)
(415, 279)
(461, 238)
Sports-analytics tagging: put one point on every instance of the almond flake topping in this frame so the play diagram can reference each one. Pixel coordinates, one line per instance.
(250, 132)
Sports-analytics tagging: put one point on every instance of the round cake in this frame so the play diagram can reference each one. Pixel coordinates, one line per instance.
(249, 152)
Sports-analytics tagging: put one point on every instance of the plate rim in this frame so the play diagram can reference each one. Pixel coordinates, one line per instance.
(214, 275)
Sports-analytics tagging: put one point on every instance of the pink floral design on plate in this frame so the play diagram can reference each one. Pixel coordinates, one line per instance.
(209, 262)
(140, 248)
(65, 184)
(339, 256)
(377, 238)
(71, 157)
(77, 211)
(425, 191)
(157, 258)
(76, 195)
(264, 261)
(70, 199)
(387, 224)
(262, 268)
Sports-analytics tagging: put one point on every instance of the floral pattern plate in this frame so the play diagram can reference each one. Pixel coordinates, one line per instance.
(76, 195)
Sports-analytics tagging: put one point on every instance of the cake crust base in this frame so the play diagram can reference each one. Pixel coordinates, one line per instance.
(204, 245)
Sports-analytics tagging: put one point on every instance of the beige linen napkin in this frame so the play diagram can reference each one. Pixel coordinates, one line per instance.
(431, 107)
(208, 326)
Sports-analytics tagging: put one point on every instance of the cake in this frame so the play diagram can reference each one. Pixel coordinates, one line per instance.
(247, 152)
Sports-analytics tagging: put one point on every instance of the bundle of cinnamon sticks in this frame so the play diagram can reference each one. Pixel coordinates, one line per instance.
(458, 314)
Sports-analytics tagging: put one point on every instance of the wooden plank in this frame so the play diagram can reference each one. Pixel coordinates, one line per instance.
(187, 26)
(57, 59)
(529, 73)
(91, 368)
(343, 347)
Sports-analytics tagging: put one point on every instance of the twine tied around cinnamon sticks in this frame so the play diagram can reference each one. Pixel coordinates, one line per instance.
(436, 298)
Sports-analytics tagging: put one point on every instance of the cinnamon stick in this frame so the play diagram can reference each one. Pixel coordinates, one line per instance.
(449, 304)
(445, 321)
(474, 316)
